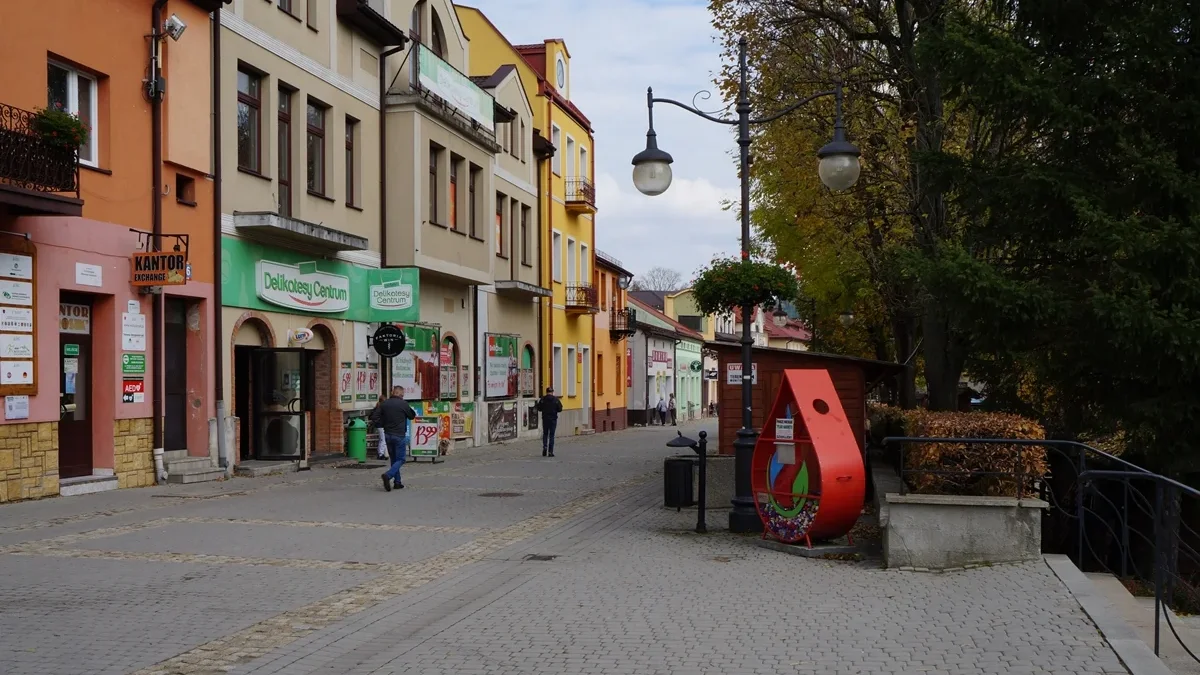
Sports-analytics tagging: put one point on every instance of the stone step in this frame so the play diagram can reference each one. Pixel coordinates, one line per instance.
(195, 476)
(171, 455)
(256, 468)
(85, 485)
(189, 464)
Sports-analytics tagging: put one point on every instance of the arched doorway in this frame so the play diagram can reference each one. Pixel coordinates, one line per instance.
(250, 333)
(449, 373)
(324, 407)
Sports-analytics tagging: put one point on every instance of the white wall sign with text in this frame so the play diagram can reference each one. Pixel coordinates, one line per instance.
(733, 373)
(89, 275)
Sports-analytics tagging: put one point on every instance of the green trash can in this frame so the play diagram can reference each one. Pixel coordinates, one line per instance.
(356, 439)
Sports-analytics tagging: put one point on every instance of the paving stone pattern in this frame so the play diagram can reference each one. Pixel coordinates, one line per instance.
(583, 572)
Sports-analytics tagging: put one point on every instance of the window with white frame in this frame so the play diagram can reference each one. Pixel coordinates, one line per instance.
(584, 276)
(556, 369)
(556, 141)
(570, 158)
(584, 167)
(572, 263)
(556, 256)
(571, 371)
(71, 91)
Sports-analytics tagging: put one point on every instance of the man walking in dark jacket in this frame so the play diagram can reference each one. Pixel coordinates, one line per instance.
(550, 406)
(393, 416)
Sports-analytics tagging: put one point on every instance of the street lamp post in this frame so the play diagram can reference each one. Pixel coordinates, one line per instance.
(838, 168)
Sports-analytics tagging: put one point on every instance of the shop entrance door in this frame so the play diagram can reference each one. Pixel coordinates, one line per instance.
(75, 393)
(282, 396)
(175, 375)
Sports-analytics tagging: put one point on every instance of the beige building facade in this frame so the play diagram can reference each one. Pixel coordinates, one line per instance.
(513, 309)
(302, 228)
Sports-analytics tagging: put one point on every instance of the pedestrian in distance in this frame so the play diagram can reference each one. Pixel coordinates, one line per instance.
(674, 413)
(661, 408)
(393, 416)
(550, 406)
(381, 449)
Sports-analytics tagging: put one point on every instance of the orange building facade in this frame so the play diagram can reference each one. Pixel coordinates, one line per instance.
(89, 345)
(615, 324)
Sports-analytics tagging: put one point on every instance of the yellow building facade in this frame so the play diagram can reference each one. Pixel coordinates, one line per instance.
(564, 149)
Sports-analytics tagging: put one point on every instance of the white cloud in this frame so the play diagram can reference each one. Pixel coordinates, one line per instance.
(618, 48)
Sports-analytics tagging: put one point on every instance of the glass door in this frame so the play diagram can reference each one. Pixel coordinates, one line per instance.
(281, 400)
(74, 404)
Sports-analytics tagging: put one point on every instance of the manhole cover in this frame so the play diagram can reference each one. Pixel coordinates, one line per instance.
(499, 494)
(537, 557)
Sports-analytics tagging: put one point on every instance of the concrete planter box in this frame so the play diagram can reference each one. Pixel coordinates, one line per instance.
(939, 532)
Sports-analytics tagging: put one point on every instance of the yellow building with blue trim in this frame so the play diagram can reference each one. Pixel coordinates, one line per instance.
(563, 148)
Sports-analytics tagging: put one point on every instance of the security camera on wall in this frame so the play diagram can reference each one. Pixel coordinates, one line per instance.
(174, 27)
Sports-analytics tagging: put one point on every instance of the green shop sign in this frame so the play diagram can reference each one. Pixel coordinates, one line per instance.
(261, 277)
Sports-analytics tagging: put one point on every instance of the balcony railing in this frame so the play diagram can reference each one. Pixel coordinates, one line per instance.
(581, 192)
(581, 298)
(27, 161)
(622, 323)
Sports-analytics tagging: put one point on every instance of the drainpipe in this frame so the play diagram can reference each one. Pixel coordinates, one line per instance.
(383, 153)
(156, 170)
(475, 360)
(541, 312)
(550, 233)
(218, 324)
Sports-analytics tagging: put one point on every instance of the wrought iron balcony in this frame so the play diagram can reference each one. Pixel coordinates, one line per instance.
(29, 162)
(581, 195)
(582, 298)
(622, 323)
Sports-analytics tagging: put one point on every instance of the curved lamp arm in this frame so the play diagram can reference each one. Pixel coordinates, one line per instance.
(801, 103)
(650, 101)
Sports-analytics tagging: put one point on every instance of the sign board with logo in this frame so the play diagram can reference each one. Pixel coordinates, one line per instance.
(255, 276)
(18, 320)
(133, 364)
(160, 268)
(346, 382)
(389, 341)
(133, 390)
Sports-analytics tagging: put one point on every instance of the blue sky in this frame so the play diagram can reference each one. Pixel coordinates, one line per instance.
(618, 48)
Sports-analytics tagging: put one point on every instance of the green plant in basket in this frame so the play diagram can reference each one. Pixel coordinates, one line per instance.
(59, 127)
(728, 283)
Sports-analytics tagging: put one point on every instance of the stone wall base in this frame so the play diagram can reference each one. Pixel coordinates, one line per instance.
(28, 461)
(133, 452)
(936, 532)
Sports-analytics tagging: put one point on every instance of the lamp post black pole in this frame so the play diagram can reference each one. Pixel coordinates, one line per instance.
(744, 516)
(654, 165)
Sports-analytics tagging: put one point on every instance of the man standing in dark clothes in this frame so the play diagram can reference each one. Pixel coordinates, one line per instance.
(550, 406)
(393, 416)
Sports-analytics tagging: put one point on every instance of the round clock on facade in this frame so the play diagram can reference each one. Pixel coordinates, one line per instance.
(561, 73)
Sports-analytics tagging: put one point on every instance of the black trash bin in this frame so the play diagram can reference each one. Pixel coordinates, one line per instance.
(677, 482)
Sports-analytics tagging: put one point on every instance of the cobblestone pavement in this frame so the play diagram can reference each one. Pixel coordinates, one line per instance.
(581, 571)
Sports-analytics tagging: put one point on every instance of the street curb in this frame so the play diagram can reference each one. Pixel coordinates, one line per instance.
(1138, 658)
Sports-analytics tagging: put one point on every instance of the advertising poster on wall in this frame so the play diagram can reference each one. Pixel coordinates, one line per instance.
(502, 421)
(503, 375)
(462, 420)
(346, 382)
(360, 381)
(418, 369)
(455, 420)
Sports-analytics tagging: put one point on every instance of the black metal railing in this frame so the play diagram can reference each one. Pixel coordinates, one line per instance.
(622, 322)
(1105, 513)
(30, 162)
(581, 191)
(581, 296)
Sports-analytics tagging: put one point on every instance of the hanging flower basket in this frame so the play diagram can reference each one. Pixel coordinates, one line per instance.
(59, 128)
(729, 283)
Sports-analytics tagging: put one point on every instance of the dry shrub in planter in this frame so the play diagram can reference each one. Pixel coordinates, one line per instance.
(968, 463)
